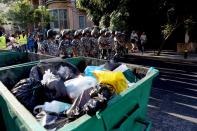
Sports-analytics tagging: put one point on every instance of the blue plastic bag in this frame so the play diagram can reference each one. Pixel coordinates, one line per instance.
(90, 69)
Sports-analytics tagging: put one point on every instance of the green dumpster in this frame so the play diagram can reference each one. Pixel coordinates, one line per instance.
(14, 58)
(126, 111)
(1, 51)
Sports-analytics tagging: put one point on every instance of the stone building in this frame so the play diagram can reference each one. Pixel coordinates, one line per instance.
(64, 14)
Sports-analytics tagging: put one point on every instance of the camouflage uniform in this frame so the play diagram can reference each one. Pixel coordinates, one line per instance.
(65, 48)
(86, 43)
(111, 39)
(109, 44)
(95, 47)
(119, 46)
(50, 47)
(76, 43)
(94, 42)
(102, 44)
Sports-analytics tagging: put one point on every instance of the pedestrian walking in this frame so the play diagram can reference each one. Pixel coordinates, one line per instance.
(134, 40)
(143, 40)
(30, 43)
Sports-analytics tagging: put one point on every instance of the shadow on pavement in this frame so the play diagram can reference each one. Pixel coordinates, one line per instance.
(173, 100)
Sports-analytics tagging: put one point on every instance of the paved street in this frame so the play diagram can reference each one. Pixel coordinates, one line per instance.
(173, 101)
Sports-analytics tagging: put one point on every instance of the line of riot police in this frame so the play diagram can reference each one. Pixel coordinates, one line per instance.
(89, 42)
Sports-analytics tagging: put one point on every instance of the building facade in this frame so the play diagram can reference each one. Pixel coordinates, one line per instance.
(64, 14)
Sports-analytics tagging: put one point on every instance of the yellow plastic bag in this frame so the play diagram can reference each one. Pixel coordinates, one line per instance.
(116, 79)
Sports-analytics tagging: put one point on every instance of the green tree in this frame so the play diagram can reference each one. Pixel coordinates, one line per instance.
(6, 1)
(105, 21)
(98, 10)
(92, 8)
(24, 15)
(2, 19)
(21, 13)
(41, 16)
(160, 19)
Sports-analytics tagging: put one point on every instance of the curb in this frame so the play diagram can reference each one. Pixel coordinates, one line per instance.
(164, 59)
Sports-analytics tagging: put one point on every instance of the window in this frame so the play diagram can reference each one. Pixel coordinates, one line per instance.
(81, 22)
(58, 18)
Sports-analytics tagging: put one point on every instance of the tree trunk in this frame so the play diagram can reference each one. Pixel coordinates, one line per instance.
(166, 38)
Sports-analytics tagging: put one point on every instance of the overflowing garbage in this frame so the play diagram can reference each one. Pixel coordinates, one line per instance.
(57, 92)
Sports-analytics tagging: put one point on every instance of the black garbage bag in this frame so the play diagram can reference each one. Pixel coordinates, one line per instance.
(111, 65)
(29, 92)
(95, 104)
(139, 74)
(56, 90)
(35, 73)
(57, 66)
(90, 101)
(76, 109)
(51, 121)
(99, 98)
(81, 65)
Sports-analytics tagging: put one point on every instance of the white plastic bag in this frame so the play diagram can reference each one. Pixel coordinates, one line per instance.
(76, 86)
(121, 68)
(54, 106)
(48, 77)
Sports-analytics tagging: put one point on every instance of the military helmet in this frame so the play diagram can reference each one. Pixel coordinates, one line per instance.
(95, 32)
(107, 33)
(78, 33)
(51, 33)
(113, 32)
(86, 30)
(118, 34)
(65, 32)
(102, 31)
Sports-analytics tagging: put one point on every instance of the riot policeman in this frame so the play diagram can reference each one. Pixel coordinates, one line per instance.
(65, 45)
(76, 43)
(119, 45)
(50, 46)
(94, 42)
(85, 41)
(102, 44)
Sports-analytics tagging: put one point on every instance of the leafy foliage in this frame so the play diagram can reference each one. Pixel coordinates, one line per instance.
(2, 18)
(23, 14)
(105, 21)
(41, 16)
(158, 18)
